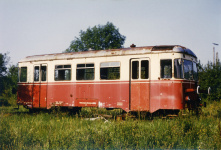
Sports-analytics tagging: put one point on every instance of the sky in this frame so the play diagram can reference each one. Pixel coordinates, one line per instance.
(35, 27)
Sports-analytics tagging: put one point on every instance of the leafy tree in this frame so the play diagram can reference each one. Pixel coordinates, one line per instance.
(8, 81)
(210, 76)
(3, 64)
(3, 70)
(99, 37)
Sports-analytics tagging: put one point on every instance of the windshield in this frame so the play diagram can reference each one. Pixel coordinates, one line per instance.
(188, 69)
(178, 68)
(185, 69)
(195, 74)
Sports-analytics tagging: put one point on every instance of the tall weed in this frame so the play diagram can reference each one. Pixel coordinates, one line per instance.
(23, 130)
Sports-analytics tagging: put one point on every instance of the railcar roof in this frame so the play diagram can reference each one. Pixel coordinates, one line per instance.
(110, 52)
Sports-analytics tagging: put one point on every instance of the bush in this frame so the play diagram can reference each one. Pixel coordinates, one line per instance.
(210, 76)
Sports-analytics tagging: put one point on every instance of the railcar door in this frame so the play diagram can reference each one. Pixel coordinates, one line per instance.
(139, 84)
(40, 86)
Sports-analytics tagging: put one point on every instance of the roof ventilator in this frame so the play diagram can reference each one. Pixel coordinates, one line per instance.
(162, 48)
(132, 46)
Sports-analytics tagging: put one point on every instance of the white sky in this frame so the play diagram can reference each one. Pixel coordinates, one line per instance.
(32, 27)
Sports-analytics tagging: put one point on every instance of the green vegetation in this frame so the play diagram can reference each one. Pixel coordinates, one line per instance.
(59, 130)
(20, 129)
(99, 37)
(8, 81)
(210, 76)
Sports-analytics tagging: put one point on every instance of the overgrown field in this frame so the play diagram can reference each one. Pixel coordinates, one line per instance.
(22, 130)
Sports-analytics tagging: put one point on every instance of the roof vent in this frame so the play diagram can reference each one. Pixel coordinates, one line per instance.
(162, 48)
(132, 46)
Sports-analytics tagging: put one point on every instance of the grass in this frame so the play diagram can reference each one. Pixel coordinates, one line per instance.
(22, 130)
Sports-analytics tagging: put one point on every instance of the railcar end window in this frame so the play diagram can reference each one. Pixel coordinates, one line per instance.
(110, 70)
(23, 74)
(178, 68)
(62, 72)
(195, 74)
(166, 68)
(85, 72)
(188, 69)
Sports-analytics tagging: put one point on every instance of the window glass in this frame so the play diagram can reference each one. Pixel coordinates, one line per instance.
(85, 72)
(135, 69)
(62, 72)
(195, 74)
(23, 74)
(166, 68)
(144, 69)
(36, 73)
(80, 65)
(110, 64)
(43, 73)
(110, 70)
(188, 69)
(178, 68)
(67, 66)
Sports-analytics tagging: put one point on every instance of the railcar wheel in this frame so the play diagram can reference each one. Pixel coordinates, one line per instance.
(75, 110)
(33, 110)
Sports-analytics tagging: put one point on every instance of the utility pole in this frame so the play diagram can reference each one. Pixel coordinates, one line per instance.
(215, 55)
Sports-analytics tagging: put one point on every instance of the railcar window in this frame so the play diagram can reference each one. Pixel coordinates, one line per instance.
(195, 74)
(85, 72)
(144, 69)
(43, 73)
(166, 68)
(135, 70)
(62, 72)
(178, 68)
(188, 69)
(36, 73)
(23, 74)
(110, 70)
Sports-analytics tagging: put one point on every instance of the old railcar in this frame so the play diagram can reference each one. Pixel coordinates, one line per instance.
(148, 79)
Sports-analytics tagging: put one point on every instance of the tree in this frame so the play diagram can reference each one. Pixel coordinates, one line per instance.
(210, 76)
(3, 64)
(99, 37)
(3, 70)
(8, 81)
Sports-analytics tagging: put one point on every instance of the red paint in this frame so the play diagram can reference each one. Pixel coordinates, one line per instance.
(36, 96)
(147, 95)
(166, 94)
(39, 95)
(140, 98)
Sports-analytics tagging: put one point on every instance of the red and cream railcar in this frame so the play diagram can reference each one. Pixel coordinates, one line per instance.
(134, 79)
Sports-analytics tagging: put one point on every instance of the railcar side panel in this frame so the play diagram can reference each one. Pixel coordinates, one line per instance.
(140, 98)
(25, 94)
(89, 94)
(39, 95)
(36, 95)
(43, 95)
(60, 94)
(166, 95)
